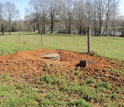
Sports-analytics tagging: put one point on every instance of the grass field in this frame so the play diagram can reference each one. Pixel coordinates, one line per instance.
(104, 46)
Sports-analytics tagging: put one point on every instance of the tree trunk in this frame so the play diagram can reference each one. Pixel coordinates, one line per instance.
(80, 30)
(34, 29)
(52, 23)
(100, 31)
(3, 30)
(39, 28)
(9, 26)
(69, 29)
(66, 26)
(39, 23)
(106, 24)
(44, 24)
(69, 26)
(95, 29)
(106, 28)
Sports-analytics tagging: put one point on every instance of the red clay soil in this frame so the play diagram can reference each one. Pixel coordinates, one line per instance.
(29, 64)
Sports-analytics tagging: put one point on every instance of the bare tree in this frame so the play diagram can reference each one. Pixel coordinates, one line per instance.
(40, 11)
(35, 11)
(43, 12)
(67, 13)
(114, 23)
(74, 15)
(31, 20)
(89, 12)
(111, 6)
(79, 16)
(100, 11)
(53, 7)
(11, 13)
(2, 21)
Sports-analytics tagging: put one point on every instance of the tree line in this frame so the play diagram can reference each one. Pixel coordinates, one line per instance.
(74, 16)
(67, 16)
(8, 12)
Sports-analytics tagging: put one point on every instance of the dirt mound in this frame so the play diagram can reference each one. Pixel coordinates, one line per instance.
(28, 65)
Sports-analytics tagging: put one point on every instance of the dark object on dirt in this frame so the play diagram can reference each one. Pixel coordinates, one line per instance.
(83, 63)
(50, 55)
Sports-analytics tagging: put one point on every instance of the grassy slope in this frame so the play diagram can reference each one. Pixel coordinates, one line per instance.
(105, 46)
(52, 91)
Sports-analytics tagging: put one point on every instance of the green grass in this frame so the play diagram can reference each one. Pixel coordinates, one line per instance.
(103, 86)
(11, 47)
(90, 80)
(105, 46)
(79, 103)
(12, 96)
(118, 71)
(55, 91)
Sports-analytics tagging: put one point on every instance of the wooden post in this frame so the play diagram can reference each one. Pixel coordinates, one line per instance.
(89, 39)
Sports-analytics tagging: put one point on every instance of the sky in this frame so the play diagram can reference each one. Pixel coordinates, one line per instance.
(23, 4)
(122, 7)
(20, 5)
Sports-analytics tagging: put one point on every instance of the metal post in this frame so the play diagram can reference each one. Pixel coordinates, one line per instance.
(89, 39)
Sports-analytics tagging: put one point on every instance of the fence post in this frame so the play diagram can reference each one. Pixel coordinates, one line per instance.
(89, 39)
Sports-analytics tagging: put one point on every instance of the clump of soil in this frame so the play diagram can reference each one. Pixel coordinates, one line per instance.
(28, 65)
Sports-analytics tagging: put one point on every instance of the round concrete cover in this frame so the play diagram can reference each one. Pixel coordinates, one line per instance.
(50, 55)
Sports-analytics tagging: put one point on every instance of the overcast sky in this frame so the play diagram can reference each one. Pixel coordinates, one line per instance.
(22, 4)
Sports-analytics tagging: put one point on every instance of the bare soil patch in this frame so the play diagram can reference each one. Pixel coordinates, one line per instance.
(27, 65)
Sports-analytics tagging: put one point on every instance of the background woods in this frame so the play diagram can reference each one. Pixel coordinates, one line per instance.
(65, 16)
